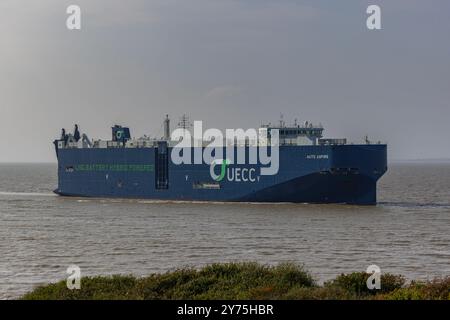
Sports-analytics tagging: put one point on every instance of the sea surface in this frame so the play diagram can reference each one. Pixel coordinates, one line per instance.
(41, 234)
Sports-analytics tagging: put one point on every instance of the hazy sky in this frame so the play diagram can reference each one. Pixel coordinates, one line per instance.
(231, 63)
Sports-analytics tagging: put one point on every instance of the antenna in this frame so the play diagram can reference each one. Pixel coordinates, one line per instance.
(281, 121)
(167, 128)
(184, 122)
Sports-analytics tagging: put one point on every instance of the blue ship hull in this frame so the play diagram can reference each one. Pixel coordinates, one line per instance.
(307, 174)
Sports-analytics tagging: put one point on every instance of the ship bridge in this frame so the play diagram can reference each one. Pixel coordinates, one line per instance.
(301, 134)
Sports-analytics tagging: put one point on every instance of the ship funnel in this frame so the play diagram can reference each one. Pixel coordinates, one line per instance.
(120, 134)
(167, 128)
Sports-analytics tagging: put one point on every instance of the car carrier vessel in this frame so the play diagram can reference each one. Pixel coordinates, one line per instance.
(311, 169)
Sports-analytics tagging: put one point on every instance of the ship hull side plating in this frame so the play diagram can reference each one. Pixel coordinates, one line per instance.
(307, 174)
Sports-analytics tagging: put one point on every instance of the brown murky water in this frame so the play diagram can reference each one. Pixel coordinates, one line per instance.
(42, 234)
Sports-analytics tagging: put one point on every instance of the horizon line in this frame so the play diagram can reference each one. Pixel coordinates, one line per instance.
(391, 160)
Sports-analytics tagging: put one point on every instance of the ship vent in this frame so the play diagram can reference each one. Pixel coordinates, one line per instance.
(162, 166)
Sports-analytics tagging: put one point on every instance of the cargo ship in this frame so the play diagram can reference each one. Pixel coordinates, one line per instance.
(309, 168)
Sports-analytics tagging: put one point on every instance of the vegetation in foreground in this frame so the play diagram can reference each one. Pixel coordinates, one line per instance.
(243, 281)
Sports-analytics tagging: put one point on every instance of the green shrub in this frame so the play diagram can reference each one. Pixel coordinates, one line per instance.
(242, 281)
(356, 283)
(216, 281)
(318, 293)
(437, 289)
(404, 294)
(92, 288)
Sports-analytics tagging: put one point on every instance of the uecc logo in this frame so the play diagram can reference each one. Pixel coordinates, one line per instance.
(232, 174)
(256, 152)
